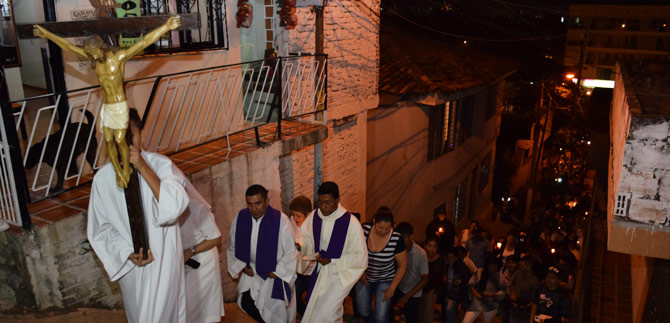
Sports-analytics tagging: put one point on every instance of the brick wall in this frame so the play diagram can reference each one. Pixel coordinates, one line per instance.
(344, 160)
(351, 40)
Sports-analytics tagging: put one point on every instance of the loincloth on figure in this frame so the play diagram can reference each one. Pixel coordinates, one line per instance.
(114, 116)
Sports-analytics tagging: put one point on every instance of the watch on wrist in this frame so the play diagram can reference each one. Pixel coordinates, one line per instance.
(193, 250)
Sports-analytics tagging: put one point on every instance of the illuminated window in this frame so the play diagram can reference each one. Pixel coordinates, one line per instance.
(450, 126)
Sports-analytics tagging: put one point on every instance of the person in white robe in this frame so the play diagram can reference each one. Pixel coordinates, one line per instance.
(153, 288)
(200, 237)
(264, 294)
(341, 237)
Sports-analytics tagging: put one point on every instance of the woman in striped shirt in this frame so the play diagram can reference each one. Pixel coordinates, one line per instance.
(387, 262)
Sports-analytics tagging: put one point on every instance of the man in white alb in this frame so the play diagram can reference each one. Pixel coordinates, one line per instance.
(333, 238)
(152, 288)
(262, 253)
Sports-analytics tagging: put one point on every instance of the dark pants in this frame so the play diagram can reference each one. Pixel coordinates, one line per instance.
(449, 310)
(249, 307)
(300, 289)
(411, 309)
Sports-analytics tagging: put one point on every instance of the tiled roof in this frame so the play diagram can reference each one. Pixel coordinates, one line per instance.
(416, 65)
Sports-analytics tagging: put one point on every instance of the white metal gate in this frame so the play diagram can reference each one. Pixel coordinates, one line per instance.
(9, 202)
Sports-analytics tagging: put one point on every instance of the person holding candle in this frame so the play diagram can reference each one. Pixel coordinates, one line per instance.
(442, 229)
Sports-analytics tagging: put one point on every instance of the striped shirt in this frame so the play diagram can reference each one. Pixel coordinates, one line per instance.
(381, 265)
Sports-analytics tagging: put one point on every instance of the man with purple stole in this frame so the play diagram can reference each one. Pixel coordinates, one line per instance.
(262, 254)
(333, 238)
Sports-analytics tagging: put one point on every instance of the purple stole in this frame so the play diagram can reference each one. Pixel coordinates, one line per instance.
(266, 247)
(335, 246)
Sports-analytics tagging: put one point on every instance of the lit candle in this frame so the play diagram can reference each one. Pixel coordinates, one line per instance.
(553, 250)
(499, 245)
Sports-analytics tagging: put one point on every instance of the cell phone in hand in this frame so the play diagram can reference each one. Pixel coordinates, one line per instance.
(192, 263)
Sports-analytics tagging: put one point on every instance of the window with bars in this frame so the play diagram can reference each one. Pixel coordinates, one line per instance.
(449, 126)
(622, 204)
(212, 33)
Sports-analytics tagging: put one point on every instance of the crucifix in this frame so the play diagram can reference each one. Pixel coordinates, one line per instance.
(109, 69)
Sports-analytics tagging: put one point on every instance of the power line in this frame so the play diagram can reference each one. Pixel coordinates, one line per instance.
(466, 36)
(531, 7)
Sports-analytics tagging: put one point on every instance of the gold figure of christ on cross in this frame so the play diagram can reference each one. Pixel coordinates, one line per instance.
(109, 68)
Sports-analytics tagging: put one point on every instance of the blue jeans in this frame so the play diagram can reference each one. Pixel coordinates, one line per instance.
(382, 310)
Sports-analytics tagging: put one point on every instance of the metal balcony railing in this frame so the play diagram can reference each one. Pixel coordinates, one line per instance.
(180, 111)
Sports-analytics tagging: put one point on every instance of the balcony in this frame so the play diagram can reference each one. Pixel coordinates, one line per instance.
(197, 118)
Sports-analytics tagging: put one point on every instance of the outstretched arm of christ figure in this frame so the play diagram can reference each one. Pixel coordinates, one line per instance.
(63, 43)
(171, 24)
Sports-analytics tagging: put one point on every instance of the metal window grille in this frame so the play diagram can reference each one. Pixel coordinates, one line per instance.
(622, 204)
(211, 35)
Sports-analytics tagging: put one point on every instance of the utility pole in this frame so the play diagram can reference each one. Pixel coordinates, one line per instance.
(320, 57)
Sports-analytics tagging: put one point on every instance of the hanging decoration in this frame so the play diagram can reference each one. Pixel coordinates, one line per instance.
(245, 14)
(287, 17)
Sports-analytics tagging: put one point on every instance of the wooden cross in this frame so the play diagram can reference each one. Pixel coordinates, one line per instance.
(108, 26)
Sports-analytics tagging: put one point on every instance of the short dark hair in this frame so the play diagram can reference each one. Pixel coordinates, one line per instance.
(257, 189)
(404, 228)
(301, 204)
(383, 214)
(431, 238)
(329, 188)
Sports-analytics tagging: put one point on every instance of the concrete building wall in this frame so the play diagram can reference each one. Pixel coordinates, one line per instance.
(53, 268)
(400, 176)
(619, 125)
(638, 172)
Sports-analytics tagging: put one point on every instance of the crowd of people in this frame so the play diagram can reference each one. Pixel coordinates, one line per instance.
(303, 265)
